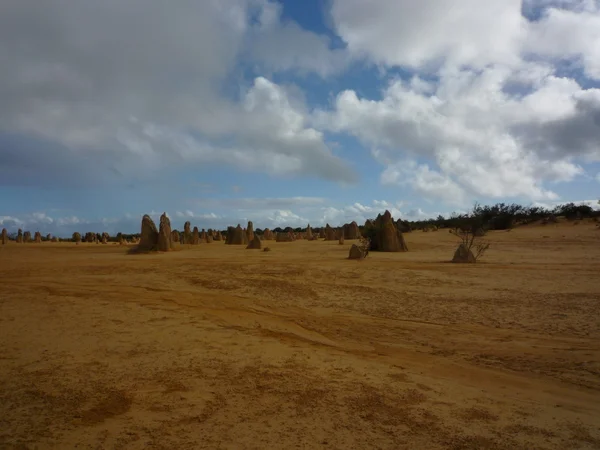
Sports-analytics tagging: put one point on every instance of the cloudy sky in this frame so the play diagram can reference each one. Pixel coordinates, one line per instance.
(288, 112)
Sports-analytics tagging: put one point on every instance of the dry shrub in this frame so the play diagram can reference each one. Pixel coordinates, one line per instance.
(471, 246)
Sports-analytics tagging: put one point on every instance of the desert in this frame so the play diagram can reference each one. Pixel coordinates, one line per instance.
(220, 346)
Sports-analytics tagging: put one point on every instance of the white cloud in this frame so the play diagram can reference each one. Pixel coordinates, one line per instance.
(337, 216)
(285, 46)
(149, 86)
(429, 32)
(569, 34)
(284, 218)
(265, 203)
(498, 103)
(277, 133)
(432, 33)
(187, 214)
(485, 109)
(425, 181)
(484, 140)
(41, 217)
(10, 222)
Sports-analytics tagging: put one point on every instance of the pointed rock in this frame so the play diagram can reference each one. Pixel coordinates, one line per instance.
(356, 252)
(187, 233)
(309, 235)
(351, 231)
(463, 255)
(236, 236)
(165, 241)
(384, 235)
(250, 231)
(255, 243)
(148, 235)
(329, 233)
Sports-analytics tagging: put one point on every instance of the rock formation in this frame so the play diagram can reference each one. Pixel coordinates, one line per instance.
(463, 255)
(229, 235)
(165, 242)
(329, 233)
(356, 252)
(236, 236)
(267, 235)
(285, 237)
(4, 236)
(27, 237)
(175, 236)
(203, 236)
(195, 237)
(20, 236)
(250, 231)
(384, 235)
(187, 233)
(49, 237)
(218, 236)
(37, 238)
(309, 234)
(351, 231)
(322, 233)
(341, 239)
(148, 235)
(255, 243)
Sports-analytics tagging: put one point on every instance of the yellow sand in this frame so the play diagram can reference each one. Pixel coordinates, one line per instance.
(216, 346)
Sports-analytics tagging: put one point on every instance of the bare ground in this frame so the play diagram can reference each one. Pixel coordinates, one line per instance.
(220, 347)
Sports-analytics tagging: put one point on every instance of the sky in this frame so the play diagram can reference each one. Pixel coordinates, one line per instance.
(292, 112)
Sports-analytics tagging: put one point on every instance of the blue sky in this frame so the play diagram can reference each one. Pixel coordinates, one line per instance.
(287, 112)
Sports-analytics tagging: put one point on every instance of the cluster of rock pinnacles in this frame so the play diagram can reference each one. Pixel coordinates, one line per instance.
(384, 235)
(25, 237)
(381, 234)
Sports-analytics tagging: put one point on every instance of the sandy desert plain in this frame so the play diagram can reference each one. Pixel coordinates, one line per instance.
(215, 346)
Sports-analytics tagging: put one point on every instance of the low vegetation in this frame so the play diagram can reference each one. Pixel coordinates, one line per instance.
(504, 216)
